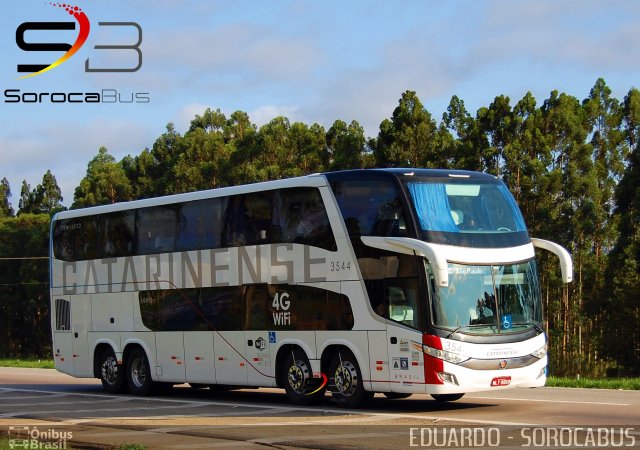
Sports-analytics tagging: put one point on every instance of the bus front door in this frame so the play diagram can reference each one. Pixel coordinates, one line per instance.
(406, 363)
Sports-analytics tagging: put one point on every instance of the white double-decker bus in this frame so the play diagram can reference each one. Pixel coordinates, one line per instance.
(396, 281)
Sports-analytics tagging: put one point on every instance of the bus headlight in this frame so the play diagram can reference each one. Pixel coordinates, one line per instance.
(448, 356)
(541, 352)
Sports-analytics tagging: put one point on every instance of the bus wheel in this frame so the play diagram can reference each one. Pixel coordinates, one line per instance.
(111, 373)
(298, 380)
(345, 380)
(139, 373)
(446, 397)
(396, 395)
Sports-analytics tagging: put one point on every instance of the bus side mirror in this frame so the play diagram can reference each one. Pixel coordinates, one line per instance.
(411, 246)
(566, 264)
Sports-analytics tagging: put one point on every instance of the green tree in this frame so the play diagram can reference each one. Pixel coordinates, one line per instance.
(45, 198)
(105, 182)
(346, 145)
(5, 194)
(497, 123)
(165, 152)
(466, 149)
(605, 117)
(24, 297)
(409, 138)
(572, 210)
(621, 342)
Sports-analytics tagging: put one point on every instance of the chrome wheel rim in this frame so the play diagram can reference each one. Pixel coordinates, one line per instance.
(110, 370)
(138, 372)
(346, 378)
(297, 376)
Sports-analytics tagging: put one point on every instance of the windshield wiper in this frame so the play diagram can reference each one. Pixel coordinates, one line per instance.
(537, 327)
(454, 331)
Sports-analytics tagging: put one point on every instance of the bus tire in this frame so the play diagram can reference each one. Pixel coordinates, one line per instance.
(446, 397)
(346, 381)
(396, 395)
(298, 379)
(111, 373)
(139, 373)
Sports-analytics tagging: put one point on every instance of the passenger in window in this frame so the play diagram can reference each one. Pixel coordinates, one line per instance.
(470, 223)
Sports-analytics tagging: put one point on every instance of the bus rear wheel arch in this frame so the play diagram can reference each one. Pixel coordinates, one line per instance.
(296, 376)
(138, 372)
(111, 374)
(345, 380)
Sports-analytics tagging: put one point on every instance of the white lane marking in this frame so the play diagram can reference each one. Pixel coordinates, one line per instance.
(77, 402)
(281, 439)
(30, 397)
(550, 401)
(80, 411)
(341, 412)
(170, 400)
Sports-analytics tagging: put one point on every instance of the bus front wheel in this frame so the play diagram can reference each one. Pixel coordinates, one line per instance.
(139, 373)
(299, 384)
(111, 373)
(346, 382)
(446, 397)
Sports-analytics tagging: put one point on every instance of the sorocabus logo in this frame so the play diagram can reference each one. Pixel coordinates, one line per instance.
(35, 69)
(70, 49)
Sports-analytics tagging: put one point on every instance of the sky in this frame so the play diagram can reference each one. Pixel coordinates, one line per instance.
(311, 61)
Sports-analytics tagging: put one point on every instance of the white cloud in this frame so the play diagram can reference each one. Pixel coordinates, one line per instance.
(182, 119)
(264, 114)
(65, 148)
(257, 51)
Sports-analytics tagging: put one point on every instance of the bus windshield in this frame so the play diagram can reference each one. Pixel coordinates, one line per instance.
(491, 299)
(472, 214)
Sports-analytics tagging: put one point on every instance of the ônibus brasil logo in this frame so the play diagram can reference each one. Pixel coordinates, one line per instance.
(36, 69)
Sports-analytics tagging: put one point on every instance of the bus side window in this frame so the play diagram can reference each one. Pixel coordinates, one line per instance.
(257, 302)
(118, 234)
(75, 239)
(300, 217)
(403, 302)
(371, 207)
(200, 224)
(156, 229)
(258, 224)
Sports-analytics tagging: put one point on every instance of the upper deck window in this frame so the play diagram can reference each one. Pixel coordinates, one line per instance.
(476, 214)
(371, 207)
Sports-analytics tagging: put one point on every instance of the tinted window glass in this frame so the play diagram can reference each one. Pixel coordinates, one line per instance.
(300, 217)
(156, 229)
(248, 220)
(117, 232)
(200, 224)
(370, 207)
(467, 213)
(249, 307)
(75, 239)
(392, 284)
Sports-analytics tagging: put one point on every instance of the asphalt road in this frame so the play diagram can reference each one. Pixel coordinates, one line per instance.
(45, 405)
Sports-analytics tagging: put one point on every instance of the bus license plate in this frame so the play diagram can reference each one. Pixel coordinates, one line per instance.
(501, 381)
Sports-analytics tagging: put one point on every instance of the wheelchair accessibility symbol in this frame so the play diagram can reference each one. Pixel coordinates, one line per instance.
(506, 322)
